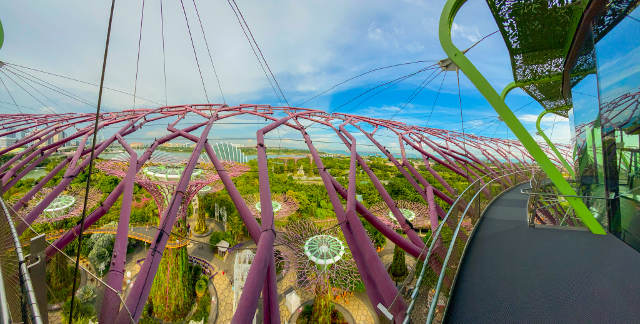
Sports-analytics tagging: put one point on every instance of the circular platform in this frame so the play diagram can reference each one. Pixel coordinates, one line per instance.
(323, 249)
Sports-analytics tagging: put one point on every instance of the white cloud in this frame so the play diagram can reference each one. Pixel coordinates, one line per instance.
(528, 118)
(470, 33)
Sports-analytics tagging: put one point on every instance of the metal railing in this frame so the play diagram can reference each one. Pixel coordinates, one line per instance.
(475, 198)
(548, 207)
(18, 296)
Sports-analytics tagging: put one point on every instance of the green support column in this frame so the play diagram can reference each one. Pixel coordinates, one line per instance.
(1, 35)
(552, 146)
(446, 20)
(503, 96)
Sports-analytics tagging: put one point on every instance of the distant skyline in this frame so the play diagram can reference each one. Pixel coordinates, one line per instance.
(309, 45)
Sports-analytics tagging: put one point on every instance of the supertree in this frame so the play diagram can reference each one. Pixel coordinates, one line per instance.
(322, 264)
(318, 256)
(160, 178)
(283, 205)
(171, 294)
(416, 213)
(200, 214)
(66, 205)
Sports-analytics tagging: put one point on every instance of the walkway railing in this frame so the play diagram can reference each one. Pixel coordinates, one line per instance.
(547, 207)
(17, 296)
(424, 300)
(90, 282)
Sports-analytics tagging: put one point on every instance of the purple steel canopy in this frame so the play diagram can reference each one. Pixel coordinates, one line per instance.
(467, 155)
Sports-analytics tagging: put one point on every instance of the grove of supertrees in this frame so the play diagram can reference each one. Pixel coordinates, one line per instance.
(171, 294)
(468, 156)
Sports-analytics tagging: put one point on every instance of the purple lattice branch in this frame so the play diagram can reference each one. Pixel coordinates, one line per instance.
(467, 155)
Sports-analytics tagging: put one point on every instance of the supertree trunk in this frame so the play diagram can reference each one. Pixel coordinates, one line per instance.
(172, 293)
(322, 307)
(201, 221)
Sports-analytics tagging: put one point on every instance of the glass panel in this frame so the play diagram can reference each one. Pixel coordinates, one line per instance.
(588, 146)
(618, 55)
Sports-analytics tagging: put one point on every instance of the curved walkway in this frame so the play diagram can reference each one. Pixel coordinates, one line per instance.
(141, 233)
(513, 273)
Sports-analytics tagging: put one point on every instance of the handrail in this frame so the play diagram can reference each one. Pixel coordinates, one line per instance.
(4, 307)
(25, 279)
(437, 233)
(434, 301)
(530, 193)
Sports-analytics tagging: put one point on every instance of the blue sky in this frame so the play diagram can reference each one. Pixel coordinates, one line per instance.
(310, 46)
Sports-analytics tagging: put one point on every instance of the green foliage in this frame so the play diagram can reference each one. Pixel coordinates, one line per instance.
(82, 311)
(201, 286)
(398, 268)
(236, 227)
(203, 308)
(327, 314)
(86, 294)
(148, 214)
(172, 292)
(59, 278)
(322, 307)
(216, 237)
(376, 237)
(100, 255)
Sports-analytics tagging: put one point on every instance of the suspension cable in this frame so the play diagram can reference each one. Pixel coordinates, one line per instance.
(194, 51)
(135, 83)
(360, 75)
(435, 101)
(44, 106)
(416, 92)
(206, 43)
(30, 85)
(275, 92)
(49, 86)
(79, 81)
(164, 58)
(93, 146)
(10, 95)
(391, 82)
(260, 51)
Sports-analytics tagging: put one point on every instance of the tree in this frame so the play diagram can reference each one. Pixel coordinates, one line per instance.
(100, 255)
(201, 221)
(398, 268)
(201, 286)
(59, 278)
(376, 237)
(236, 226)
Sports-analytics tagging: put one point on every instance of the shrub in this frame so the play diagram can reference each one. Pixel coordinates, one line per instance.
(201, 286)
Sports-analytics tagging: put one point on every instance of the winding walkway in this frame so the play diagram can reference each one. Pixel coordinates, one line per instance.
(141, 233)
(514, 273)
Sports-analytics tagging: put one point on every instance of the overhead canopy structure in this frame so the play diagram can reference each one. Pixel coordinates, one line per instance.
(535, 33)
(540, 34)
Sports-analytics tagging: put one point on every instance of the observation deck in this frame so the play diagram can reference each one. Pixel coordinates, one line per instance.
(514, 273)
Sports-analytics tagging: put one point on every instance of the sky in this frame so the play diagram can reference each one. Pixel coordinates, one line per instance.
(309, 45)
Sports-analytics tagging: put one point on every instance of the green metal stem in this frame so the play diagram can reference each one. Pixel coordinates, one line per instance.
(1, 35)
(507, 89)
(504, 94)
(552, 146)
(446, 21)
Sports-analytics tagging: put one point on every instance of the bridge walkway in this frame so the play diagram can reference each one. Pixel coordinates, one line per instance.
(514, 273)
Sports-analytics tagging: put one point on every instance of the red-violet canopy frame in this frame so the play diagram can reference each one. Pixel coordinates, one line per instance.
(469, 156)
